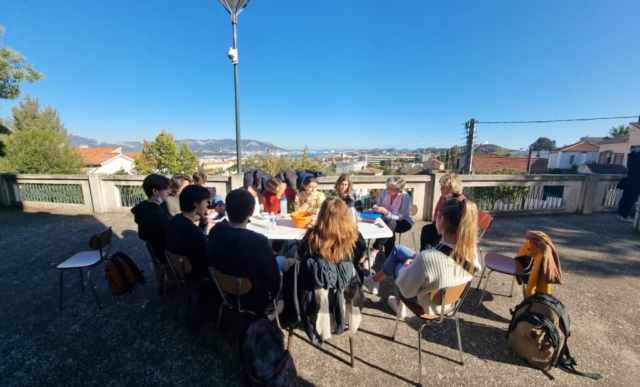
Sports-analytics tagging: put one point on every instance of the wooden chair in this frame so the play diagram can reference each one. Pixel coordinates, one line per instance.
(414, 212)
(180, 266)
(484, 222)
(230, 287)
(446, 296)
(501, 264)
(164, 269)
(88, 259)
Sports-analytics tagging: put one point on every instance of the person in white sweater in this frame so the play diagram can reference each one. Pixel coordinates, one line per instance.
(418, 274)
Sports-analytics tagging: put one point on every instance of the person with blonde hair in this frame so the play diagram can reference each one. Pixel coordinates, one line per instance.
(334, 235)
(450, 187)
(395, 207)
(451, 263)
(344, 189)
(309, 199)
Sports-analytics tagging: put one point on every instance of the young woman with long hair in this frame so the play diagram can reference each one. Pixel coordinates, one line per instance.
(344, 189)
(309, 198)
(417, 274)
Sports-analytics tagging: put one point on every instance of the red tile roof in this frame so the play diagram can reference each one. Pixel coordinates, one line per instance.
(579, 146)
(99, 156)
(132, 155)
(615, 140)
(491, 164)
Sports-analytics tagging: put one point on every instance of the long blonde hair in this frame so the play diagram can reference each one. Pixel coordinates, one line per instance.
(335, 233)
(462, 221)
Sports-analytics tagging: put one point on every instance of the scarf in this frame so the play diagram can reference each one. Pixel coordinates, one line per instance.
(394, 207)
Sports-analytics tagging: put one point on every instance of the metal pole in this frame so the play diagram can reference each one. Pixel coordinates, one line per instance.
(235, 80)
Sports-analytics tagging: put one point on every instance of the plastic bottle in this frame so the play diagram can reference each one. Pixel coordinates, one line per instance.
(272, 221)
(283, 206)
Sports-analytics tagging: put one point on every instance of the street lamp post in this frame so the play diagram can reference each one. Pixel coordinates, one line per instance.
(234, 7)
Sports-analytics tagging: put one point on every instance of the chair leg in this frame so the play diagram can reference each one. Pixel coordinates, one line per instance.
(275, 311)
(175, 313)
(93, 288)
(395, 329)
(290, 339)
(420, 354)
(459, 340)
(219, 317)
(512, 283)
(481, 277)
(61, 286)
(164, 280)
(352, 349)
(486, 281)
(413, 235)
(81, 280)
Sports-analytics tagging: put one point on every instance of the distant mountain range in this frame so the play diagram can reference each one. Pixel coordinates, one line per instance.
(199, 147)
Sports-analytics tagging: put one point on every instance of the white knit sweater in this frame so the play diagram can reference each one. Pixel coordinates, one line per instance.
(431, 270)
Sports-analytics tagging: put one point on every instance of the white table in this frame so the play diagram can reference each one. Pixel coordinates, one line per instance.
(285, 231)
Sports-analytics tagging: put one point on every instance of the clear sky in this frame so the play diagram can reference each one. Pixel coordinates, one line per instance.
(332, 73)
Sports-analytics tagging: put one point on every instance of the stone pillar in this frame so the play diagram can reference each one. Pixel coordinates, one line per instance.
(95, 191)
(588, 194)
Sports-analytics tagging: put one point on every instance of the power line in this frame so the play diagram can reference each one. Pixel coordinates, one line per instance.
(549, 121)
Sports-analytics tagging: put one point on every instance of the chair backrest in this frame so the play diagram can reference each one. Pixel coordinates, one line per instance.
(101, 241)
(179, 264)
(484, 222)
(449, 296)
(230, 285)
(414, 210)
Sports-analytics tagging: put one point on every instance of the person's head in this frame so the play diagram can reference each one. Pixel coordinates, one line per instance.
(272, 184)
(178, 183)
(344, 185)
(239, 205)
(395, 184)
(310, 184)
(195, 198)
(199, 178)
(335, 233)
(450, 184)
(156, 187)
(458, 221)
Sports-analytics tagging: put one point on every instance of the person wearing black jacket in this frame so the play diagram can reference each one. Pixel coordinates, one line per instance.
(236, 251)
(632, 187)
(151, 219)
(184, 237)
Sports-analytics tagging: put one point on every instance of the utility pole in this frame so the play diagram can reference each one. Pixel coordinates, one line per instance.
(529, 160)
(468, 160)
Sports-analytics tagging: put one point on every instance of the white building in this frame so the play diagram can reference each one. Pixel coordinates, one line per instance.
(525, 153)
(349, 166)
(107, 160)
(578, 154)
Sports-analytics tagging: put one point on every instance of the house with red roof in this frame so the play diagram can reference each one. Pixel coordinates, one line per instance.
(107, 160)
(578, 154)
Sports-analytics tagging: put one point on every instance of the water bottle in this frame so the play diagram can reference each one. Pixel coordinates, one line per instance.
(272, 221)
(283, 206)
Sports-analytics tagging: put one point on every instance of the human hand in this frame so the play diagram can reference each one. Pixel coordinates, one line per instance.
(220, 209)
(408, 262)
(281, 188)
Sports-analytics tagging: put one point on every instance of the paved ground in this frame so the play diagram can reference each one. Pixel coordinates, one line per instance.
(127, 343)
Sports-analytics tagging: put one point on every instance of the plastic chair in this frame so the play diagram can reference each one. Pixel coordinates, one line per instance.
(164, 272)
(180, 266)
(414, 212)
(88, 259)
(232, 286)
(501, 264)
(484, 222)
(446, 296)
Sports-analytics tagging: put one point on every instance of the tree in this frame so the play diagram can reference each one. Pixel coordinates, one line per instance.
(307, 163)
(163, 156)
(13, 71)
(543, 144)
(620, 130)
(38, 142)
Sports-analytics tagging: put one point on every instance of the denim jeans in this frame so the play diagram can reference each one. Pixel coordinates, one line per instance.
(391, 267)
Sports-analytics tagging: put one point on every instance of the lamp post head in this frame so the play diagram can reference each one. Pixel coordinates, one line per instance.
(234, 7)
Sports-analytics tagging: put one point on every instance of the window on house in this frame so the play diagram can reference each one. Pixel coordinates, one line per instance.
(572, 159)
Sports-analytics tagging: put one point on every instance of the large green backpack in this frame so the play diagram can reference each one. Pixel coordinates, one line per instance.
(538, 334)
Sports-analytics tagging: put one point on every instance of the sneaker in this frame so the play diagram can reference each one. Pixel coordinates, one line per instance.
(394, 303)
(371, 285)
(627, 219)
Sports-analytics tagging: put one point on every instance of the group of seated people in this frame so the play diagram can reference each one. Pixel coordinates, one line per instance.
(232, 249)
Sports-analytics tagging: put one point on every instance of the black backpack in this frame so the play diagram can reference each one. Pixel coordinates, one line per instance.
(123, 274)
(538, 333)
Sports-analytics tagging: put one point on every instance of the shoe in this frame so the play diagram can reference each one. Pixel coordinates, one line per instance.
(371, 285)
(627, 219)
(393, 303)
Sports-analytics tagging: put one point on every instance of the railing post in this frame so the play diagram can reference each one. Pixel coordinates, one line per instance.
(95, 192)
(589, 194)
(235, 182)
(434, 195)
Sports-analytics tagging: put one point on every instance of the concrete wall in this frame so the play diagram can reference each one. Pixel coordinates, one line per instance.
(582, 193)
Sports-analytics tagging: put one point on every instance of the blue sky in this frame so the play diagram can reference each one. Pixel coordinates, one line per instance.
(332, 73)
